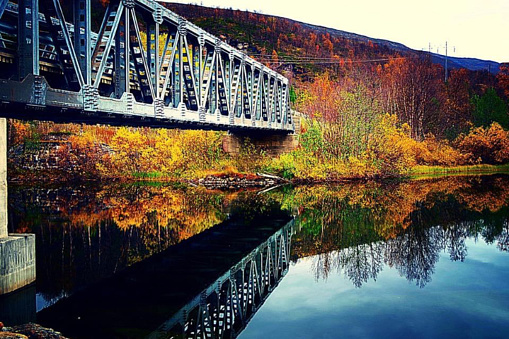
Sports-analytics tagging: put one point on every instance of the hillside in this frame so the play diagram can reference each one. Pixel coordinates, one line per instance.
(286, 44)
(304, 48)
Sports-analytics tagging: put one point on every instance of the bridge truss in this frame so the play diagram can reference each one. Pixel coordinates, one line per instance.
(144, 62)
(224, 309)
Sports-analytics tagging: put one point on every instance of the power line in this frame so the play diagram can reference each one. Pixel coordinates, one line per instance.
(318, 60)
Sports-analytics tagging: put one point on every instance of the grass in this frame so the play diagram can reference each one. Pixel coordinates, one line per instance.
(147, 175)
(438, 171)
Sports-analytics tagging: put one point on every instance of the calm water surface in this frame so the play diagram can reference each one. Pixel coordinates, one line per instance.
(424, 258)
(461, 300)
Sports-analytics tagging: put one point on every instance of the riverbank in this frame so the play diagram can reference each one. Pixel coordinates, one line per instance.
(45, 152)
(234, 180)
(438, 171)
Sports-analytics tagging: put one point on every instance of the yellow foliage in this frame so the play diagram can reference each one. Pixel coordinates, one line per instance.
(20, 131)
(390, 147)
(387, 150)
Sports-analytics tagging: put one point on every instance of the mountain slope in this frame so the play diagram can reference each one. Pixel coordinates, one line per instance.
(305, 47)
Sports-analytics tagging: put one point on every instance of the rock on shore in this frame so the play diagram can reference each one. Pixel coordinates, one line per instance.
(238, 181)
(30, 331)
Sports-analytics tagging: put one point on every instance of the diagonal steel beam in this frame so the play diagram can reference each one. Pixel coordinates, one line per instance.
(209, 80)
(224, 106)
(3, 5)
(143, 55)
(113, 5)
(190, 64)
(70, 46)
(170, 63)
(165, 50)
(246, 102)
(107, 49)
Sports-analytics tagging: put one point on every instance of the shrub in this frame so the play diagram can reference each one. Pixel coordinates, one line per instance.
(489, 145)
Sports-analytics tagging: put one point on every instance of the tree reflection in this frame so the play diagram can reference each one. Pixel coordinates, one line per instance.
(86, 233)
(454, 238)
(357, 229)
(362, 262)
(415, 254)
(503, 239)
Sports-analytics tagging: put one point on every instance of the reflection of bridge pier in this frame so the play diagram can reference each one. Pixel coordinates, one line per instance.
(17, 252)
(213, 282)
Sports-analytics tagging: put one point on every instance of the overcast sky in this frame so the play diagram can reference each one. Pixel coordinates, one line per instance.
(473, 28)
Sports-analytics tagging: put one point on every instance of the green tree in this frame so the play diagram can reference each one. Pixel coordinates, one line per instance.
(293, 95)
(489, 108)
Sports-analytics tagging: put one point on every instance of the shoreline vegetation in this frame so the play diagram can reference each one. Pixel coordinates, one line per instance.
(49, 152)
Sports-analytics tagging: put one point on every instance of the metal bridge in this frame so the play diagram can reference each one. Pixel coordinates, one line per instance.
(224, 309)
(145, 65)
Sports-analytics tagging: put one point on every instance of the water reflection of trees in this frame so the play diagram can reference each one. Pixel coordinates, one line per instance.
(358, 229)
(86, 233)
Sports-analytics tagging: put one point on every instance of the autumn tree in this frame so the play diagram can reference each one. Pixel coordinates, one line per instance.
(457, 107)
(503, 79)
(411, 88)
(321, 99)
(487, 145)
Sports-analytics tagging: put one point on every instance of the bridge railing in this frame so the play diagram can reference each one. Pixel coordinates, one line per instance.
(144, 61)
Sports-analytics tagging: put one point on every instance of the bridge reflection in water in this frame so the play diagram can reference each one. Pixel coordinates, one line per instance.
(210, 285)
(223, 309)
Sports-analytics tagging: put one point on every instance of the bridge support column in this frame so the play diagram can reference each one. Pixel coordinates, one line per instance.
(272, 144)
(3, 178)
(17, 251)
(28, 36)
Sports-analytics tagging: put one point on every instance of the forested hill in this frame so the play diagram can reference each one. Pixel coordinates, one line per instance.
(304, 48)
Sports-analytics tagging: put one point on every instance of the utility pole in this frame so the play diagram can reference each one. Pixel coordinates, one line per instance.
(446, 61)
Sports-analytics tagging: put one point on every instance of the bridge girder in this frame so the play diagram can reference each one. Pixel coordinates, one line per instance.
(146, 61)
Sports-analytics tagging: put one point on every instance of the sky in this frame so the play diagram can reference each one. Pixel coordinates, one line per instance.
(471, 28)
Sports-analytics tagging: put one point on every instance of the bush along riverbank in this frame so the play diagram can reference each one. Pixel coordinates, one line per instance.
(67, 152)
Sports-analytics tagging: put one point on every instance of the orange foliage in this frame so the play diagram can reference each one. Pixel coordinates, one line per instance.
(322, 99)
(486, 145)
(19, 131)
(503, 78)
(436, 152)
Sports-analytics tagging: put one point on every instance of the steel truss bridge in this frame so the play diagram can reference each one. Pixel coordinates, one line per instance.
(224, 309)
(145, 65)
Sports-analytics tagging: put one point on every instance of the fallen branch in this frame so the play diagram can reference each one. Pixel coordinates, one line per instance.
(271, 177)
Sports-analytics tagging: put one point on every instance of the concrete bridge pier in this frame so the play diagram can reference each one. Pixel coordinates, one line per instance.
(17, 251)
(272, 144)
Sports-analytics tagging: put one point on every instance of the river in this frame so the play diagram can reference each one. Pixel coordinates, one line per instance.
(424, 258)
